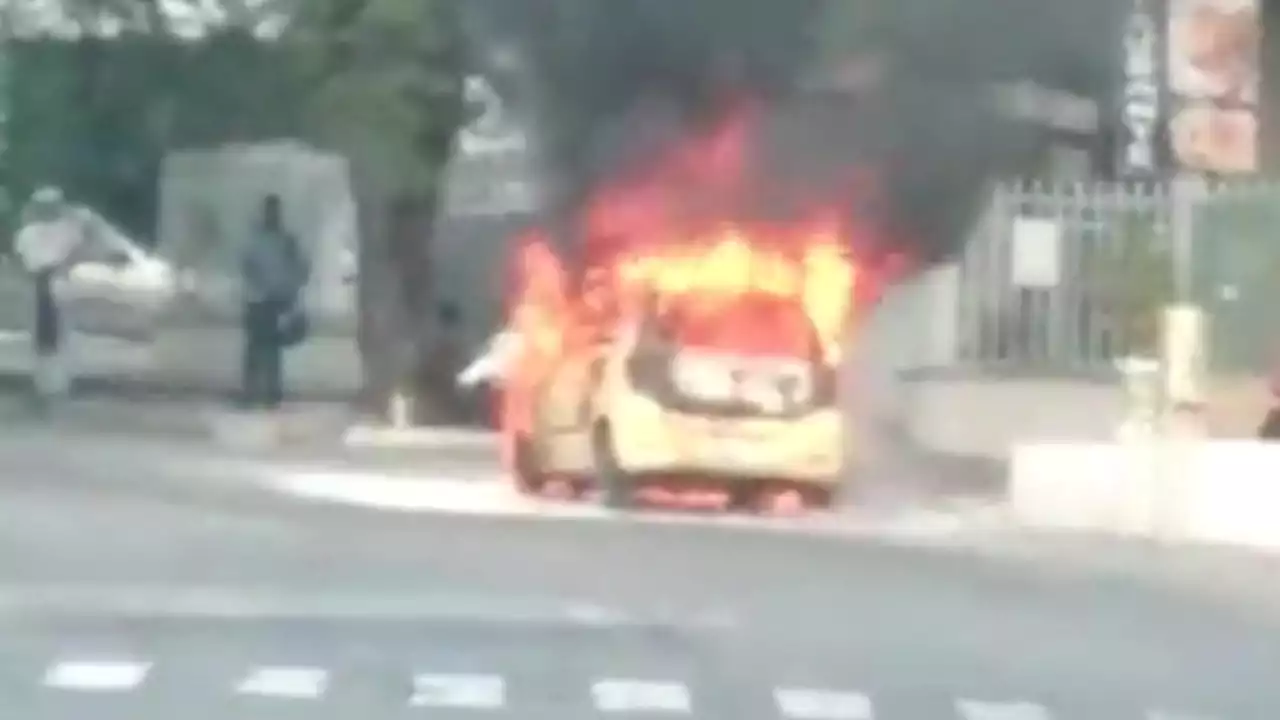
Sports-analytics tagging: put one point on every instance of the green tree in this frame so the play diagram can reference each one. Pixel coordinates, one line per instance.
(6, 178)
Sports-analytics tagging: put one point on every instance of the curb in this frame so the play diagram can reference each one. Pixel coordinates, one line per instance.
(365, 436)
(304, 425)
(1168, 490)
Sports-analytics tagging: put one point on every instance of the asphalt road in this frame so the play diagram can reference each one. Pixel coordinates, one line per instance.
(147, 580)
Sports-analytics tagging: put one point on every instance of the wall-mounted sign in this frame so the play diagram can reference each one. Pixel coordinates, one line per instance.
(1140, 99)
(1036, 261)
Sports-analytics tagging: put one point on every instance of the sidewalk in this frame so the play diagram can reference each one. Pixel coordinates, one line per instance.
(119, 390)
(192, 367)
(91, 356)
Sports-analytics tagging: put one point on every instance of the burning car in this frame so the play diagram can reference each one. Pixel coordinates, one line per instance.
(684, 422)
(688, 356)
(712, 388)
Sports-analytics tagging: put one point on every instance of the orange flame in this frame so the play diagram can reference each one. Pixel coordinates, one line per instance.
(669, 241)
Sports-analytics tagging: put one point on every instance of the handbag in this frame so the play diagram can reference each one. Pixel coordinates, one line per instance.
(294, 326)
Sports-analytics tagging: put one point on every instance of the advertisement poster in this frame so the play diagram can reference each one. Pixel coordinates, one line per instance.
(1214, 80)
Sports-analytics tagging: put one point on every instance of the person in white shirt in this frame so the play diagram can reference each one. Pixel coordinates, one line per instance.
(47, 244)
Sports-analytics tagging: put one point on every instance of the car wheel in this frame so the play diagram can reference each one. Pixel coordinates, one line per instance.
(616, 488)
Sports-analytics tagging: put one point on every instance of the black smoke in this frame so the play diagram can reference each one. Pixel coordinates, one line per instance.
(607, 83)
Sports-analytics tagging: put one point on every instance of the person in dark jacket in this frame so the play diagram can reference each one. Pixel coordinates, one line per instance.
(274, 271)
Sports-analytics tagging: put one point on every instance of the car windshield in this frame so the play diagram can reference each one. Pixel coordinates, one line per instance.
(757, 326)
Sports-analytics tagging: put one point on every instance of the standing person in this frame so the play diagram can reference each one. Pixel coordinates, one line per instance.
(46, 244)
(275, 272)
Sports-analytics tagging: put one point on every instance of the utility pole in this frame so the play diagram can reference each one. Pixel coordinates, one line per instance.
(1186, 191)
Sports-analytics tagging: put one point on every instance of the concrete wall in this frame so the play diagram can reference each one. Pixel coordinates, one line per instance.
(903, 385)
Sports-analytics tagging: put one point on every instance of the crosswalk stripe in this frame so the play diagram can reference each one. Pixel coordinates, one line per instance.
(290, 682)
(96, 675)
(1018, 710)
(799, 703)
(480, 692)
(630, 695)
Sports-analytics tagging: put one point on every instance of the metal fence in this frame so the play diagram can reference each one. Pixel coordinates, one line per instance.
(1065, 279)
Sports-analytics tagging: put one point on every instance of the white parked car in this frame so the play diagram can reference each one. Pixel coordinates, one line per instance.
(120, 288)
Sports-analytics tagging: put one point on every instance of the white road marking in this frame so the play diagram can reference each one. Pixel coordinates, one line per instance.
(622, 695)
(477, 692)
(799, 703)
(279, 681)
(96, 675)
(981, 710)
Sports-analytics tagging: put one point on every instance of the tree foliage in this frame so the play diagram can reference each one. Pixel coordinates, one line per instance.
(104, 88)
(383, 82)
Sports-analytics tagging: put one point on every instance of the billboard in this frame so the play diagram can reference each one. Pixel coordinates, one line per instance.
(1214, 83)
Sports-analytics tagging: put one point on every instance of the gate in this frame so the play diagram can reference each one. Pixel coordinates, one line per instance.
(1236, 274)
(1065, 279)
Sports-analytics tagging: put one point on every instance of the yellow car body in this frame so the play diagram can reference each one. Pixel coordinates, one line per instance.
(648, 407)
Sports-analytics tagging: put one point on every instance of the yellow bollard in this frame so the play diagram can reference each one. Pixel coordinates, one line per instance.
(401, 411)
(1183, 352)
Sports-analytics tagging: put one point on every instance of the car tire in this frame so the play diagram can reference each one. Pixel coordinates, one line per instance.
(616, 487)
(528, 475)
(823, 496)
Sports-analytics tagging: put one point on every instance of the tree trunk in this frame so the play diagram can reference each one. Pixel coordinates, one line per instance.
(426, 380)
(375, 299)
(405, 354)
